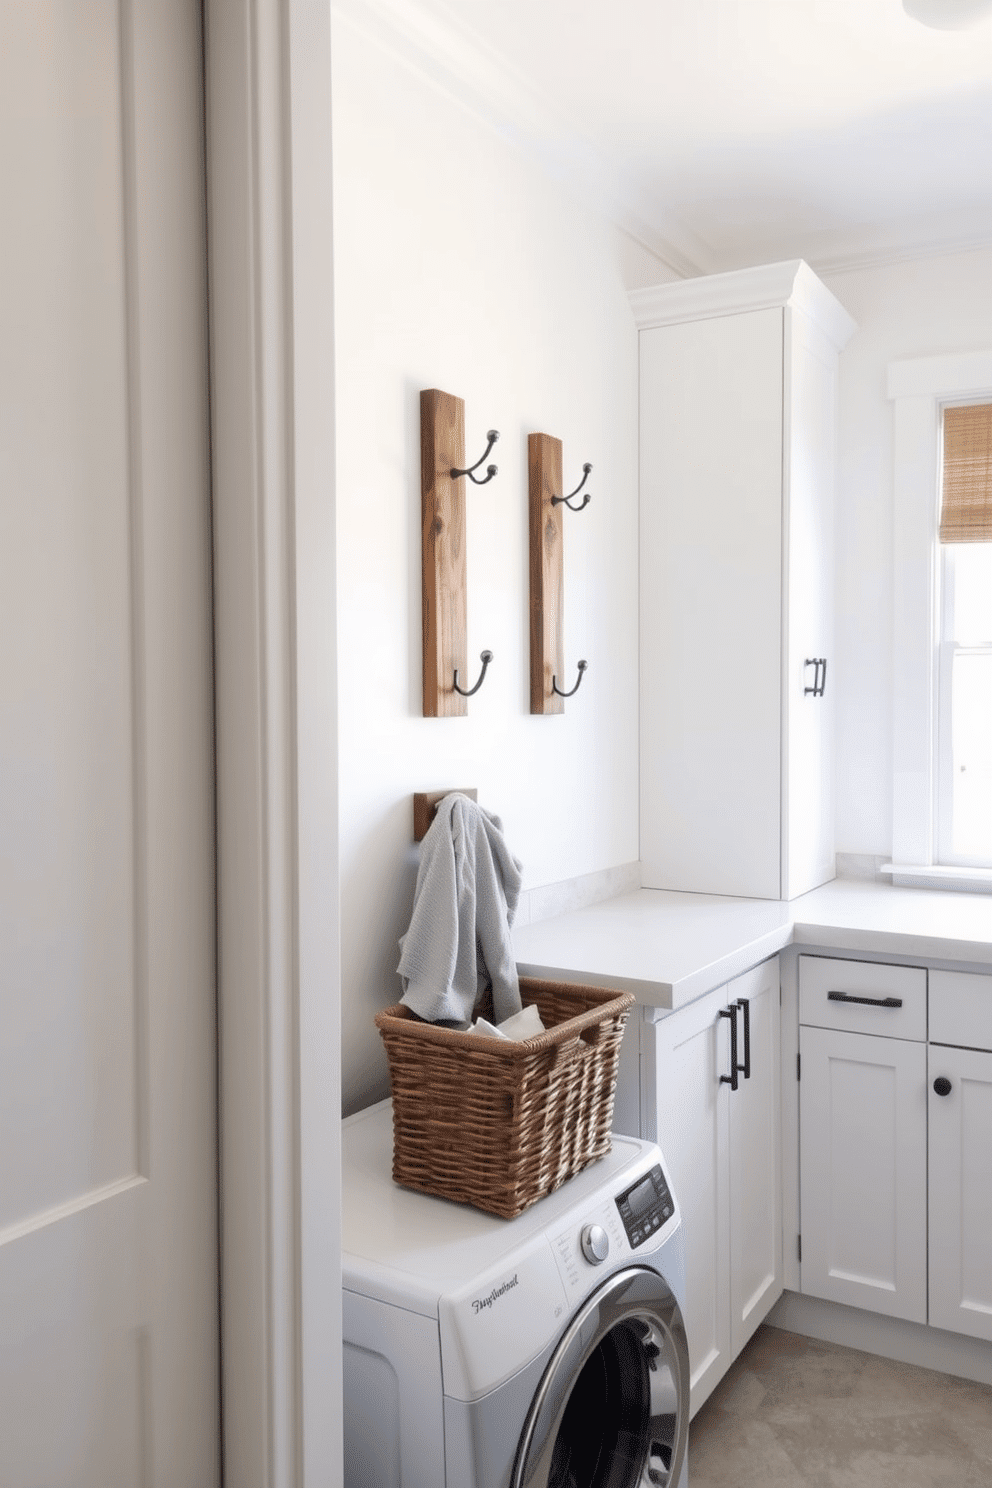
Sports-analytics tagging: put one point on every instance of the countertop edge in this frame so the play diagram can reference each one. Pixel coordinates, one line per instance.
(894, 942)
(670, 994)
(684, 956)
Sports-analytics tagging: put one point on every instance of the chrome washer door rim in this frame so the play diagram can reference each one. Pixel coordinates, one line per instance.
(632, 1296)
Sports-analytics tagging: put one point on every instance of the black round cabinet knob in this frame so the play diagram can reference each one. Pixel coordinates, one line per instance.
(942, 1085)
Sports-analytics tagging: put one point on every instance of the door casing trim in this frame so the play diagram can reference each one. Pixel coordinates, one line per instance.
(267, 71)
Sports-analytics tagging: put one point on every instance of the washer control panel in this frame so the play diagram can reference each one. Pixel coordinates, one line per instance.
(579, 1247)
(646, 1206)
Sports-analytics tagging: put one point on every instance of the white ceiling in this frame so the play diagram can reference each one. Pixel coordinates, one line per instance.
(724, 133)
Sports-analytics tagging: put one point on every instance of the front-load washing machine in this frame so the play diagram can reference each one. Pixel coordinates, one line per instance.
(546, 1351)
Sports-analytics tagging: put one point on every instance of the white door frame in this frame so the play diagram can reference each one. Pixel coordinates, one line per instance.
(272, 367)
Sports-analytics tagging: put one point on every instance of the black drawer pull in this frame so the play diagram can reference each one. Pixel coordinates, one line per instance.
(942, 1085)
(731, 1079)
(892, 1002)
(745, 1068)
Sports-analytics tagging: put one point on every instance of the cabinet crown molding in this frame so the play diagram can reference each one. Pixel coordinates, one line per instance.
(769, 286)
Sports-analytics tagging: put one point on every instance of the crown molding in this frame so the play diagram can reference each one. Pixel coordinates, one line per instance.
(854, 262)
(451, 58)
(902, 240)
(812, 297)
(429, 37)
(659, 245)
(765, 287)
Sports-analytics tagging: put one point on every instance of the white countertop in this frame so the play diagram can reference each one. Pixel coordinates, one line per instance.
(669, 948)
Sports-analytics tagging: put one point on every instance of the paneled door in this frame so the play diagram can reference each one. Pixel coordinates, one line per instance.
(108, 1141)
(960, 1248)
(755, 1144)
(691, 1050)
(720, 1136)
(863, 1171)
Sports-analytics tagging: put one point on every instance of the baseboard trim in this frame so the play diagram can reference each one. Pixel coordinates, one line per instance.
(891, 1338)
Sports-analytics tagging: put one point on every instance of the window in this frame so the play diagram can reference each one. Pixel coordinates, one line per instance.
(964, 692)
(942, 634)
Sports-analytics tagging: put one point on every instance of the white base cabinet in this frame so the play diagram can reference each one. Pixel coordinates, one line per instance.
(722, 1146)
(896, 1141)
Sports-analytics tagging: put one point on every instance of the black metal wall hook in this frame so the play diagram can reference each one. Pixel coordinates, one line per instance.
(567, 501)
(582, 668)
(491, 470)
(484, 656)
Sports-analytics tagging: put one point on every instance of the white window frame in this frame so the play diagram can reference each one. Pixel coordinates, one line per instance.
(948, 650)
(944, 823)
(919, 389)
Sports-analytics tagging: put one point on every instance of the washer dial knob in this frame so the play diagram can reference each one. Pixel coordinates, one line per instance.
(595, 1244)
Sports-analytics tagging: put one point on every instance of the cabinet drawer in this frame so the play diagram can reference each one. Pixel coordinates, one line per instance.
(961, 1009)
(829, 990)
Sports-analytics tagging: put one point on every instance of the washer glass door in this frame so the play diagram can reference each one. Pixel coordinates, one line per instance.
(612, 1409)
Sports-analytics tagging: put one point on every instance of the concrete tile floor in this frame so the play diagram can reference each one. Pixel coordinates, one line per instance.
(796, 1413)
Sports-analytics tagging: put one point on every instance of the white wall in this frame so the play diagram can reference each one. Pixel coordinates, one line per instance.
(914, 309)
(459, 265)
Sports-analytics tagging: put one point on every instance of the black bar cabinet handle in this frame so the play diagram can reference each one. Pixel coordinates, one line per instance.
(819, 678)
(743, 1002)
(892, 1002)
(731, 1079)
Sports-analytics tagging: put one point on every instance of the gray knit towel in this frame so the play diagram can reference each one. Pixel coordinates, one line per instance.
(458, 943)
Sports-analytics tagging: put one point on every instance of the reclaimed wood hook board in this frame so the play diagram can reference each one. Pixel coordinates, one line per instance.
(425, 804)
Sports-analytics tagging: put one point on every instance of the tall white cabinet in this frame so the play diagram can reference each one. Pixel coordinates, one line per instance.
(738, 377)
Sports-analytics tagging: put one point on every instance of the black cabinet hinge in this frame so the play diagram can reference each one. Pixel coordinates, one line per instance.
(799, 1246)
(798, 1058)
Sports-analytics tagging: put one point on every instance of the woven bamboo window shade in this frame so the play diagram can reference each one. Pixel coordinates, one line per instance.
(966, 503)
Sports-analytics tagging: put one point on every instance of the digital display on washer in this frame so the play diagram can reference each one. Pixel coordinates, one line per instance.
(641, 1198)
(646, 1206)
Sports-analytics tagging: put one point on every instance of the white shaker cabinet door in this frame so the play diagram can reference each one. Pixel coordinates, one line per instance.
(691, 1052)
(863, 1174)
(960, 1133)
(808, 682)
(755, 1171)
(711, 604)
(722, 1148)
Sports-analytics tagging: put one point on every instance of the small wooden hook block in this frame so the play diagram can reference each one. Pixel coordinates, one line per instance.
(425, 804)
(442, 449)
(547, 651)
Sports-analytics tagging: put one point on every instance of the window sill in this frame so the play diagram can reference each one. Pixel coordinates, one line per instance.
(939, 876)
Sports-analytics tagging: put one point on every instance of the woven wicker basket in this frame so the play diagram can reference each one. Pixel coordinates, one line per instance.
(500, 1124)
